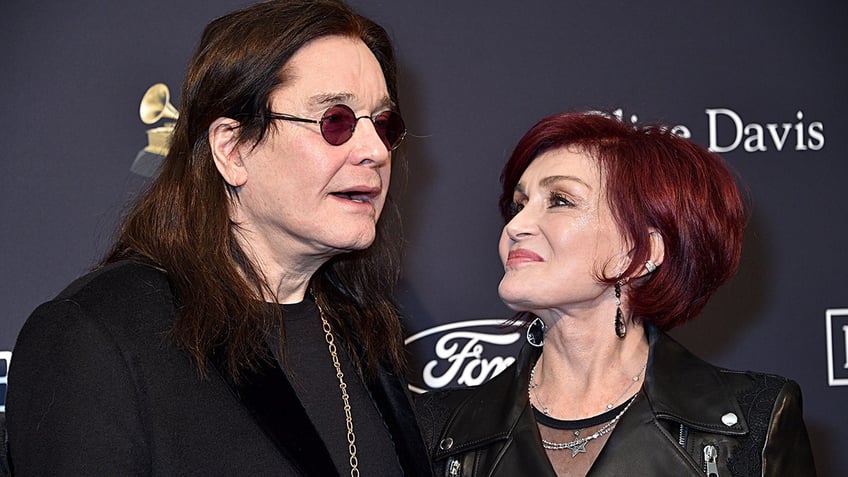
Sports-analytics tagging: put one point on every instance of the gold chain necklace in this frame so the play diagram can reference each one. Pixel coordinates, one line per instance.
(351, 437)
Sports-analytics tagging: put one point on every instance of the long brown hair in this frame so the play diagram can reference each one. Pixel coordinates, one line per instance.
(182, 222)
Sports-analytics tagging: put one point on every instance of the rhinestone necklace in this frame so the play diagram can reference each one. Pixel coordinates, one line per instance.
(578, 445)
(351, 437)
(533, 393)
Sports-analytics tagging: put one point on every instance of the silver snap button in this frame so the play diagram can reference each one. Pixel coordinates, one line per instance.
(729, 419)
(446, 443)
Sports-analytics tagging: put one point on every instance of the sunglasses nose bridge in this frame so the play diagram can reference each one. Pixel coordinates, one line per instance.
(373, 124)
(356, 121)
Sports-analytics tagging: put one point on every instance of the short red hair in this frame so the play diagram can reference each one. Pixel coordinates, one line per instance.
(657, 180)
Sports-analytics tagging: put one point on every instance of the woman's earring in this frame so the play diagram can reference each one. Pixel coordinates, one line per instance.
(650, 266)
(536, 333)
(620, 327)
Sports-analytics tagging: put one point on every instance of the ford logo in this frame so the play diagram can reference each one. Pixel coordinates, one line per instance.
(463, 353)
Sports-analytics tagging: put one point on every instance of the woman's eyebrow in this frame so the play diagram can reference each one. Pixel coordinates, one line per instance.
(550, 180)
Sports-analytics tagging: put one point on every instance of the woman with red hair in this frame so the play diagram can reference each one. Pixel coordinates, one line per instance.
(614, 235)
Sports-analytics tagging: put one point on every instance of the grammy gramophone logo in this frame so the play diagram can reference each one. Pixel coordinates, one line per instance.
(155, 106)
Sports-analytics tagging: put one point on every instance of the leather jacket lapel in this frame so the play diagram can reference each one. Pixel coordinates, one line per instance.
(498, 420)
(487, 415)
(640, 446)
(683, 388)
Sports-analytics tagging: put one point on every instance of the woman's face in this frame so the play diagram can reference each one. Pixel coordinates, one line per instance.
(304, 199)
(562, 237)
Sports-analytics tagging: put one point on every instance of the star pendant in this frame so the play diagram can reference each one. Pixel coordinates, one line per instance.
(578, 449)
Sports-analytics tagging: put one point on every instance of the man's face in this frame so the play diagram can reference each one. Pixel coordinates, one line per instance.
(304, 199)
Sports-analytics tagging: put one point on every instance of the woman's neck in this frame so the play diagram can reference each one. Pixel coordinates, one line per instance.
(585, 368)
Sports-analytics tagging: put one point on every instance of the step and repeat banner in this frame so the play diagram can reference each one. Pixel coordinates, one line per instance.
(761, 82)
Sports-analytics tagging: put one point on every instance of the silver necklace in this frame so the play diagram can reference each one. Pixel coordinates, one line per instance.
(578, 445)
(351, 437)
(533, 393)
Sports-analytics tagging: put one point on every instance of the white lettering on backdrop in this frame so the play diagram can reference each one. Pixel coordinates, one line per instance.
(728, 132)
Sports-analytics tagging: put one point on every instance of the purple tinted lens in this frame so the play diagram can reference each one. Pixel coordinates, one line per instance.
(390, 128)
(337, 124)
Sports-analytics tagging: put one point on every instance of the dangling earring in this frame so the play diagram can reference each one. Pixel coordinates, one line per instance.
(620, 327)
(650, 266)
(536, 333)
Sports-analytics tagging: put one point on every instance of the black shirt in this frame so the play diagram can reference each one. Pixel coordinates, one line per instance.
(312, 375)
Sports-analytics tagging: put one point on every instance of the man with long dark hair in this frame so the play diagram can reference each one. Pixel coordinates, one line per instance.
(243, 322)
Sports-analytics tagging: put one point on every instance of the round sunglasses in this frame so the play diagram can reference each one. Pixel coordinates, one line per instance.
(338, 123)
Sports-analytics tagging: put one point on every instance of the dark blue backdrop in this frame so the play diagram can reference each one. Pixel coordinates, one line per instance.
(762, 81)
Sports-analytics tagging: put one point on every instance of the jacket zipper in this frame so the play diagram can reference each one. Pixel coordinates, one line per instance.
(454, 467)
(710, 458)
(681, 436)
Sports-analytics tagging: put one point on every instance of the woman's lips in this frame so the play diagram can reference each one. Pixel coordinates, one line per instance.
(520, 255)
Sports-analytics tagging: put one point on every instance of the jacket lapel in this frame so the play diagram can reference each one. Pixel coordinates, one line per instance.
(498, 415)
(681, 387)
(267, 394)
(678, 387)
(471, 425)
(389, 395)
(640, 446)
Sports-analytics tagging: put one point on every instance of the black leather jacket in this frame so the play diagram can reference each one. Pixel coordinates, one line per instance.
(688, 409)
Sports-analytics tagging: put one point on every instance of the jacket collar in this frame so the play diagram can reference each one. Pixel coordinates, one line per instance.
(490, 412)
(390, 395)
(678, 386)
(682, 387)
(272, 402)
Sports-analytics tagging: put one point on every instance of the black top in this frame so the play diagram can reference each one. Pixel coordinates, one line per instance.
(593, 421)
(312, 375)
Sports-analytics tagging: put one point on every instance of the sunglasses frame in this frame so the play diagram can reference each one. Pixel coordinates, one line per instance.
(320, 123)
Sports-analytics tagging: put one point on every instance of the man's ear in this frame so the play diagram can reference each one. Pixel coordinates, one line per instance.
(223, 140)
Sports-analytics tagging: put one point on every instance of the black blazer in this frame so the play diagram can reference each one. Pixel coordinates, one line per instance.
(684, 407)
(96, 387)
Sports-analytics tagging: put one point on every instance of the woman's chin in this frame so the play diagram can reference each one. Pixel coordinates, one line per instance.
(513, 299)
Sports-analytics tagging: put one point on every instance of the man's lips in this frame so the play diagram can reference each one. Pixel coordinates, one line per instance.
(521, 255)
(359, 194)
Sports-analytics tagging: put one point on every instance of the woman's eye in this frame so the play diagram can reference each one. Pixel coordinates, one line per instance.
(559, 200)
(515, 208)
